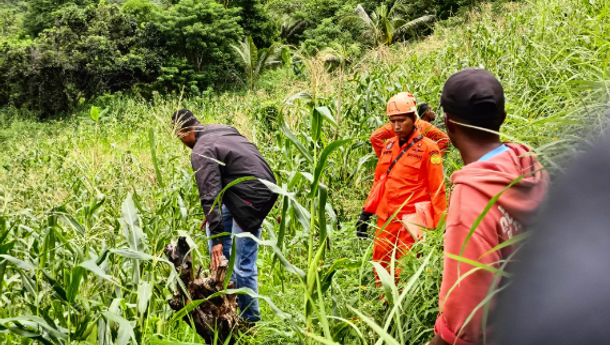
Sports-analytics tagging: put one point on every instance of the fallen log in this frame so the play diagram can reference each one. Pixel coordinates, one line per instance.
(216, 317)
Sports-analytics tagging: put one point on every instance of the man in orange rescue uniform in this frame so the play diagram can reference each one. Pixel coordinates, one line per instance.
(425, 128)
(416, 176)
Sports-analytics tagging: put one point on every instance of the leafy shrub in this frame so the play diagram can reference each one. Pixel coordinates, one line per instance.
(177, 73)
(90, 51)
(324, 35)
(201, 32)
(10, 20)
(256, 22)
(142, 10)
(96, 49)
(41, 14)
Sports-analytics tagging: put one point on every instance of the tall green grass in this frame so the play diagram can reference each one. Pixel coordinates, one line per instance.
(85, 212)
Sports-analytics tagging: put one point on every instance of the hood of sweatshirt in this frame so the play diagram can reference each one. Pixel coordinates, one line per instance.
(517, 165)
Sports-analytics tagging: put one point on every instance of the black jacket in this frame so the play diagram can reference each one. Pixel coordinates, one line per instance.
(249, 201)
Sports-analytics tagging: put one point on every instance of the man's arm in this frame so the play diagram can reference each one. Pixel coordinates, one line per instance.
(209, 184)
(379, 136)
(474, 285)
(432, 132)
(433, 166)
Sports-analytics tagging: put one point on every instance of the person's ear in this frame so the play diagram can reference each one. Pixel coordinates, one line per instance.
(191, 136)
(449, 125)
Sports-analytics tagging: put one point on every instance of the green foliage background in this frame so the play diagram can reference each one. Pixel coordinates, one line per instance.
(57, 54)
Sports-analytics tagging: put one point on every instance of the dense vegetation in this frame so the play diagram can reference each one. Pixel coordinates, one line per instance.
(57, 54)
(88, 201)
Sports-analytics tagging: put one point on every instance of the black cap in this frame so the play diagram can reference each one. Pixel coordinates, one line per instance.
(183, 119)
(474, 95)
(422, 108)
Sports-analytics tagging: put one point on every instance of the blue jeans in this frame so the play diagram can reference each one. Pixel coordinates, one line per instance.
(245, 273)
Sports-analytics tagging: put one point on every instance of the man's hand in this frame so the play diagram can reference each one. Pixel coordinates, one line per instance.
(217, 256)
(437, 340)
(361, 225)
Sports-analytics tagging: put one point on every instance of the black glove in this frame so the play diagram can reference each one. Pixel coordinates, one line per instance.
(361, 224)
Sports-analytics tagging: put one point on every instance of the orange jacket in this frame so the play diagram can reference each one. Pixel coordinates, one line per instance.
(417, 176)
(425, 128)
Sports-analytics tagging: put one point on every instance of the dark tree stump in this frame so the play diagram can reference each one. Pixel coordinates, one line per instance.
(215, 316)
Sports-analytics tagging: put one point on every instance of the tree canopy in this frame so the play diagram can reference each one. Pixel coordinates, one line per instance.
(58, 53)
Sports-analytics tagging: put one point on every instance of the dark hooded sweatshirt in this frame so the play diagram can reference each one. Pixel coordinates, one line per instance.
(220, 156)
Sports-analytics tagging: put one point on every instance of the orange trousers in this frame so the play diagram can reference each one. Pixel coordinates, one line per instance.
(393, 240)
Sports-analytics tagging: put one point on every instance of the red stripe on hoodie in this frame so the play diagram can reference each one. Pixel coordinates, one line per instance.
(474, 185)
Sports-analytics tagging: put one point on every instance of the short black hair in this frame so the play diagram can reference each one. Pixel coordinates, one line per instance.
(476, 97)
(183, 119)
(422, 109)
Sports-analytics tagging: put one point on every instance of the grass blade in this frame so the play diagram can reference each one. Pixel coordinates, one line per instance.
(153, 153)
(477, 264)
(375, 327)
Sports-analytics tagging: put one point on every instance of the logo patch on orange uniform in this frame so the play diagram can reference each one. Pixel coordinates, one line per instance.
(435, 159)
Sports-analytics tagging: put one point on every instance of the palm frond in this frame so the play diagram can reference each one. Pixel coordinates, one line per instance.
(361, 13)
(414, 23)
(268, 57)
(291, 26)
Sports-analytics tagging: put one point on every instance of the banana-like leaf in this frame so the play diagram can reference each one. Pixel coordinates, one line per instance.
(94, 113)
(360, 12)
(413, 24)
